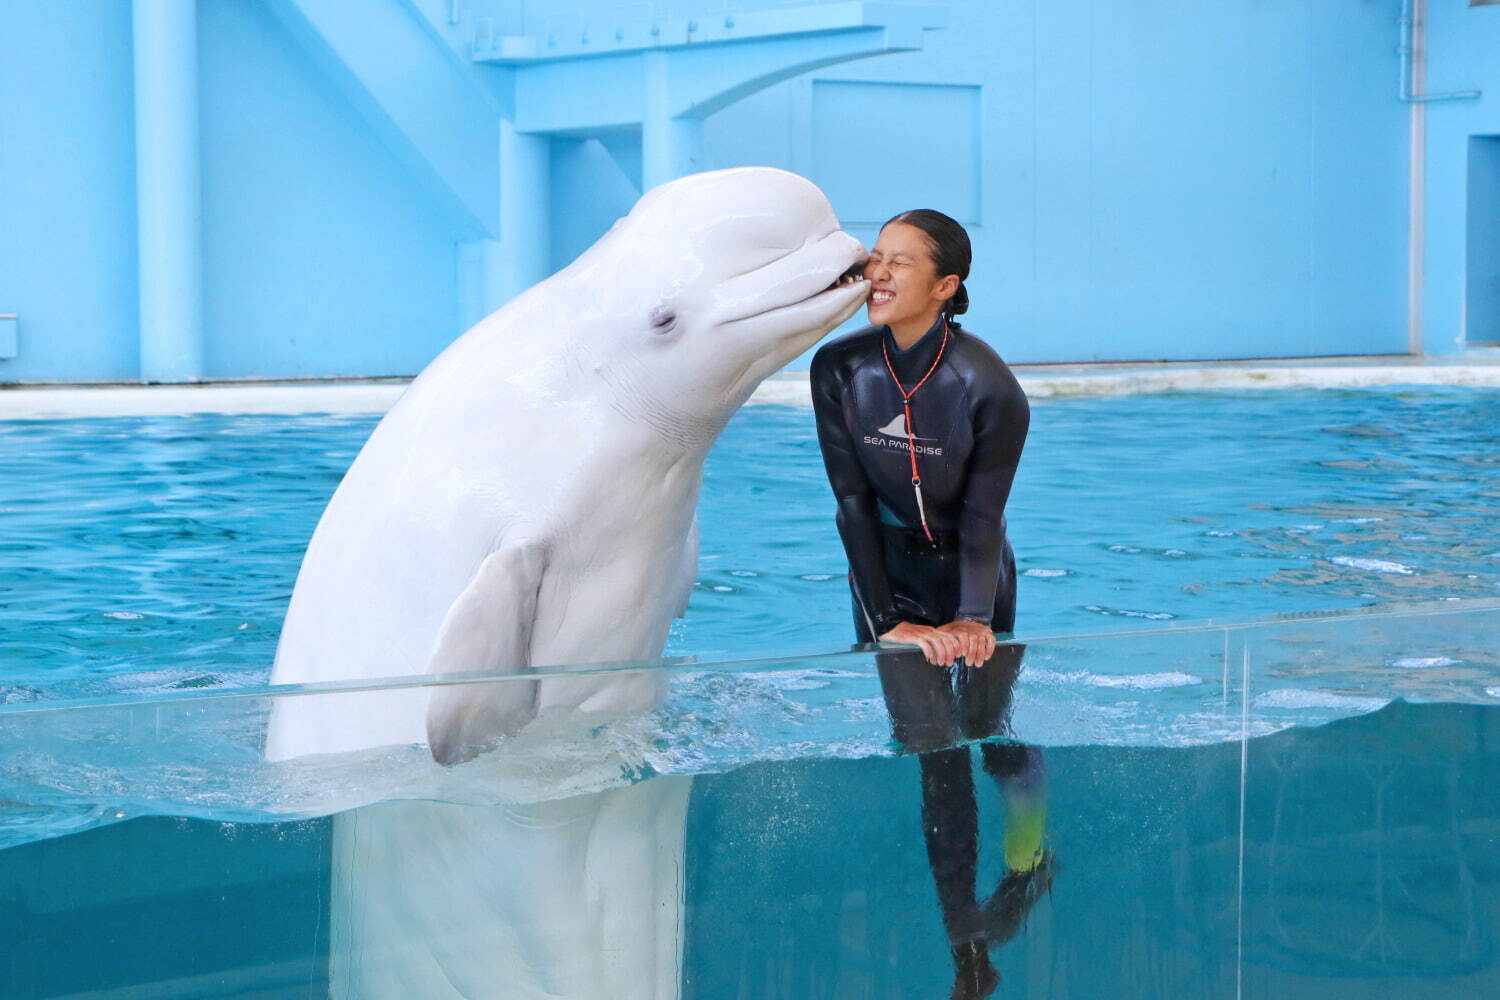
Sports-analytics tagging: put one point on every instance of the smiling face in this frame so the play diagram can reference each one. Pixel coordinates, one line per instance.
(905, 288)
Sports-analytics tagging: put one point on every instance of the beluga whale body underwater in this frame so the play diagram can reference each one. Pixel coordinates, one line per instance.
(529, 501)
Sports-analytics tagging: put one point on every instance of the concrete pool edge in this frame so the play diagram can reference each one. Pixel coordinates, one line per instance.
(1140, 378)
(374, 396)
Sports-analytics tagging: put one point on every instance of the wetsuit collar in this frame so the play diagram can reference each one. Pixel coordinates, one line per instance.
(913, 362)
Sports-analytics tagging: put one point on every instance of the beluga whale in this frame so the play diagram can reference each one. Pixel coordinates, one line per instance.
(529, 500)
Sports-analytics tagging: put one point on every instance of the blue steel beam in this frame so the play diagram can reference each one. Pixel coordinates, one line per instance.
(421, 99)
(660, 79)
(605, 39)
(582, 87)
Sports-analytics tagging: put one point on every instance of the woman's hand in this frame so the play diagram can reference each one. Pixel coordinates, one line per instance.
(976, 641)
(940, 647)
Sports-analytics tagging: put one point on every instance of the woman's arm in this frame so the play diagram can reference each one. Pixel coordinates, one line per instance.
(1001, 418)
(858, 515)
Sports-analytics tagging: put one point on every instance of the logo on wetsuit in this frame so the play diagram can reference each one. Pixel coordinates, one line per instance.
(894, 436)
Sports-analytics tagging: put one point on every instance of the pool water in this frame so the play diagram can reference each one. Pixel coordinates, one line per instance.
(1362, 864)
(1235, 811)
(154, 554)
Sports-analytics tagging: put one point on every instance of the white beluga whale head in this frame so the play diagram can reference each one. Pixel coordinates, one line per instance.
(710, 284)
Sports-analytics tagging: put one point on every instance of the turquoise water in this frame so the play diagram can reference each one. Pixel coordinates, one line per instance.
(155, 554)
(1236, 811)
(1366, 867)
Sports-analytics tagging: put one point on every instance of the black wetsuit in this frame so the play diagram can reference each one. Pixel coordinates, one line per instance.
(970, 424)
(970, 420)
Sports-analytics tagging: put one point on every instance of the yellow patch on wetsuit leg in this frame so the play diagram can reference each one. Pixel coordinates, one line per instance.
(1025, 830)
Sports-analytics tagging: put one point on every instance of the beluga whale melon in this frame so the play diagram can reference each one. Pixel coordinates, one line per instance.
(530, 498)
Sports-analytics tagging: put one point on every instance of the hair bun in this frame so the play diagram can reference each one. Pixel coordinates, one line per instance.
(959, 304)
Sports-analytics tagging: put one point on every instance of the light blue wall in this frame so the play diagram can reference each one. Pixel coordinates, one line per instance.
(318, 257)
(593, 190)
(321, 256)
(1464, 47)
(1156, 180)
(1144, 179)
(67, 189)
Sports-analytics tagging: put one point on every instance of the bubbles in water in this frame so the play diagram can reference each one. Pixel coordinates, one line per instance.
(18, 694)
(124, 616)
(1144, 682)
(1424, 662)
(1373, 565)
(1303, 698)
(864, 709)
(1045, 573)
(1155, 616)
(794, 680)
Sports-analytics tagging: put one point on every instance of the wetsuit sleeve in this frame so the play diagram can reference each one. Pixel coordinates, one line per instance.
(858, 515)
(1001, 417)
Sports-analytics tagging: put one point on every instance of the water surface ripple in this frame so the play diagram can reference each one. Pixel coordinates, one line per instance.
(151, 554)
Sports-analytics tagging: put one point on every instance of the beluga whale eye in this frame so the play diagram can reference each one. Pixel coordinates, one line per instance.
(663, 319)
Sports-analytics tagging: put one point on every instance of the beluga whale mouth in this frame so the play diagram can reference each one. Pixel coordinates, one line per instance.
(855, 273)
(824, 275)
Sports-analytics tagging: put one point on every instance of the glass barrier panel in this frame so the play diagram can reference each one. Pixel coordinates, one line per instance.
(1287, 808)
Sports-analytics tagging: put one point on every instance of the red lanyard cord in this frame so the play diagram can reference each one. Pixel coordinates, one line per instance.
(911, 439)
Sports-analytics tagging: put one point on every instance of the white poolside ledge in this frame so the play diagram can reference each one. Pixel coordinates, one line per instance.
(354, 396)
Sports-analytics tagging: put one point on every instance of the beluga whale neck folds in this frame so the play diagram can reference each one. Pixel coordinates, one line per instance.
(529, 500)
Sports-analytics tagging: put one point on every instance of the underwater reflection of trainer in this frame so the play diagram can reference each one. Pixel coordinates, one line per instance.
(922, 425)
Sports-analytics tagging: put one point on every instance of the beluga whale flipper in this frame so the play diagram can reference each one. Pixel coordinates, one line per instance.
(529, 500)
